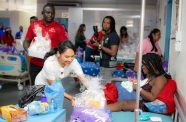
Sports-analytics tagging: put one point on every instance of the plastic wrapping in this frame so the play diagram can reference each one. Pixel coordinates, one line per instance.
(94, 97)
(55, 93)
(40, 45)
(90, 115)
(37, 107)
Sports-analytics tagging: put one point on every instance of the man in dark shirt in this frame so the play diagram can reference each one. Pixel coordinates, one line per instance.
(108, 47)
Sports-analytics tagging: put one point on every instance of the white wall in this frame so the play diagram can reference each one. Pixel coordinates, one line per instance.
(17, 18)
(13, 16)
(122, 17)
(161, 21)
(94, 16)
(75, 19)
(177, 59)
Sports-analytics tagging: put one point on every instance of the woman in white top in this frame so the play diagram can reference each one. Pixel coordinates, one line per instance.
(59, 63)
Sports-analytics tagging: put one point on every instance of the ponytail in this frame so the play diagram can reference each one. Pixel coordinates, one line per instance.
(62, 47)
(52, 52)
(154, 31)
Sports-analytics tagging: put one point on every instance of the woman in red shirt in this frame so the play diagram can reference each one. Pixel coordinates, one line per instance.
(7, 37)
(159, 87)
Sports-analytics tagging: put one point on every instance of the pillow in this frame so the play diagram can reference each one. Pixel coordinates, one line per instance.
(156, 106)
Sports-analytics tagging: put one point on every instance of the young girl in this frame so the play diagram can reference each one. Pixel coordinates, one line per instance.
(59, 63)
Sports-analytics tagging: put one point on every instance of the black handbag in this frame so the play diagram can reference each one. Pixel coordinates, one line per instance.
(30, 94)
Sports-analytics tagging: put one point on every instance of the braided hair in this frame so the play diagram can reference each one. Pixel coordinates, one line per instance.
(154, 64)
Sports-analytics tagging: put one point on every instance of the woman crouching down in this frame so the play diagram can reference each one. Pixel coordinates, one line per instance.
(59, 63)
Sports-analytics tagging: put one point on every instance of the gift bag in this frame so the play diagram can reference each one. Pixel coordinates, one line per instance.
(93, 97)
(90, 115)
(111, 93)
(55, 94)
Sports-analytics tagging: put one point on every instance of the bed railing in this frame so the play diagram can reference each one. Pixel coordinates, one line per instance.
(179, 114)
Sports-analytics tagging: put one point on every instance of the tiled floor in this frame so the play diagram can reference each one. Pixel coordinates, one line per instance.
(9, 94)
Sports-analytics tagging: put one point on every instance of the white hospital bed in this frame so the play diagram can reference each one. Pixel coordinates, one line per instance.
(11, 70)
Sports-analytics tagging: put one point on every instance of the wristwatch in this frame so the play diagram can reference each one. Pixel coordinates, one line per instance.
(99, 46)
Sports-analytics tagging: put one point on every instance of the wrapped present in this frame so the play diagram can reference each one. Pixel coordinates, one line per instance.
(90, 68)
(90, 115)
(130, 74)
(111, 93)
(40, 45)
(93, 97)
(79, 55)
(13, 114)
(119, 66)
(89, 105)
(90, 99)
(119, 73)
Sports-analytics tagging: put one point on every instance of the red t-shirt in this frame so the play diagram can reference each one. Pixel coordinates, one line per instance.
(167, 96)
(9, 40)
(55, 31)
(100, 36)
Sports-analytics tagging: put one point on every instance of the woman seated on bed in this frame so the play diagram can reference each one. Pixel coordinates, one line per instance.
(159, 87)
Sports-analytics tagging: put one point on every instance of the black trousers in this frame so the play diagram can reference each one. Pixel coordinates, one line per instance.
(33, 71)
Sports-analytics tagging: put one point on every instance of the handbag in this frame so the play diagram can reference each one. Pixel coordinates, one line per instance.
(30, 94)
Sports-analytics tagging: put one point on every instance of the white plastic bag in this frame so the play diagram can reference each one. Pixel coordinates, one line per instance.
(94, 97)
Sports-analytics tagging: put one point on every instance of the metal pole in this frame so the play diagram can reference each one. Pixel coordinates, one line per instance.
(140, 60)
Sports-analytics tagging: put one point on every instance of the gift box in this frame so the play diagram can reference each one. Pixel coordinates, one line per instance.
(90, 68)
(119, 73)
(13, 114)
(90, 115)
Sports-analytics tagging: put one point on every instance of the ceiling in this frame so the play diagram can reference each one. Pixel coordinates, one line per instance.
(149, 2)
